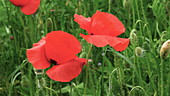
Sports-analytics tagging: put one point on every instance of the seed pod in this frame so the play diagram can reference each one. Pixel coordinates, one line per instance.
(165, 49)
(139, 51)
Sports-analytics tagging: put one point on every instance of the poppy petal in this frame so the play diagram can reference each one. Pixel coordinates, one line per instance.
(42, 41)
(61, 46)
(123, 45)
(101, 40)
(83, 22)
(67, 71)
(31, 7)
(106, 24)
(36, 55)
(19, 3)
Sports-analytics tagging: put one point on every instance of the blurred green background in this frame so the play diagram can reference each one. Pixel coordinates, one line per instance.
(110, 73)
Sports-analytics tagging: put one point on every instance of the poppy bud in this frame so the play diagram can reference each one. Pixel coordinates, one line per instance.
(41, 83)
(40, 24)
(139, 51)
(133, 37)
(12, 37)
(165, 49)
(26, 29)
(146, 46)
(24, 81)
(49, 23)
(126, 3)
(83, 55)
(103, 54)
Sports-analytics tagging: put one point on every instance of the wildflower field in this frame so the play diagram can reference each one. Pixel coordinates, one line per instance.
(84, 48)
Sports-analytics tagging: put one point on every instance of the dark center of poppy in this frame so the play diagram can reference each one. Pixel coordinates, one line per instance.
(91, 34)
(53, 62)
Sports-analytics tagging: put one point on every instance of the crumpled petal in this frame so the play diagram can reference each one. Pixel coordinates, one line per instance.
(101, 40)
(31, 7)
(42, 41)
(61, 46)
(19, 3)
(36, 55)
(106, 24)
(83, 22)
(67, 71)
(123, 45)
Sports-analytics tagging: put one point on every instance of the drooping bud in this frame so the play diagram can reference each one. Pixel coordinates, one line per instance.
(146, 46)
(126, 3)
(26, 29)
(25, 81)
(165, 49)
(139, 51)
(83, 55)
(50, 23)
(41, 82)
(133, 37)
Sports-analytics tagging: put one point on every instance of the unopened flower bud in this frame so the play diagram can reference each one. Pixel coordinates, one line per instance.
(12, 37)
(126, 3)
(26, 29)
(139, 51)
(41, 82)
(49, 23)
(133, 37)
(146, 46)
(165, 49)
(82, 55)
(24, 81)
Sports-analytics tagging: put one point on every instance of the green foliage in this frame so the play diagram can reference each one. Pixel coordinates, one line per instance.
(110, 73)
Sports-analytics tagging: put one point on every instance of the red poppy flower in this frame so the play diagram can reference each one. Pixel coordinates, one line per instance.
(102, 30)
(62, 48)
(28, 7)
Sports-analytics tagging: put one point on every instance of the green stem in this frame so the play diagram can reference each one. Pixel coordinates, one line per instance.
(109, 6)
(161, 80)
(87, 68)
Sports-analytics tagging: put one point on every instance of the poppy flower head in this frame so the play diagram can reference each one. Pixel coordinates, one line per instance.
(60, 48)
(102, 30)
(67, 71)
(36, 55)
(103, 23)
(28, 7)
(19, 3)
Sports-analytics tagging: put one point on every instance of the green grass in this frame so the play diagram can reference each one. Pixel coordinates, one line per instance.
(120, 73)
